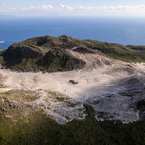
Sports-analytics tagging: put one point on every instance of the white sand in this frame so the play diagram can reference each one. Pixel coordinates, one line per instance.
(97, 78)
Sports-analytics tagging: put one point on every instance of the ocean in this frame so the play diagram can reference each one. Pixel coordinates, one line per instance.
(114, 30)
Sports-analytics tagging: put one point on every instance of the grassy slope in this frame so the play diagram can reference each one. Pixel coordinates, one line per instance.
(117, 51)
(50, 54)
(41, 130)
(42, 53)
(22, 124)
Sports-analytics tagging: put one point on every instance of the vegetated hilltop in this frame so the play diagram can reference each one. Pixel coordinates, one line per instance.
(43, 53)
(51, 53)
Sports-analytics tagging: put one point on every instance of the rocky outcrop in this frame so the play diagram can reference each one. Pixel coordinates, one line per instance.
(133, 84)
(14, 53)
(141, 108)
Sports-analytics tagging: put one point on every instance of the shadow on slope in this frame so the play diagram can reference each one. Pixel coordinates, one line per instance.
(119, 100)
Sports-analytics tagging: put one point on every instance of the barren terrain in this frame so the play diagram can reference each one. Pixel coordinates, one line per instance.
(114, 88)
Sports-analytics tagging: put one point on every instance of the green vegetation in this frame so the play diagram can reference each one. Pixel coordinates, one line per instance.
(20, 95)
(51, 54)
(42, 54)
(16, 104)
(22, 124)
(41, 130)
(136, 47)
(117, 51)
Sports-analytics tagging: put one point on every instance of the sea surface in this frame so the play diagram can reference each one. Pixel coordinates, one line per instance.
(114, 30)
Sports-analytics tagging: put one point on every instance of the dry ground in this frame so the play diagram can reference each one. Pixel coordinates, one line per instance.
(108, 85)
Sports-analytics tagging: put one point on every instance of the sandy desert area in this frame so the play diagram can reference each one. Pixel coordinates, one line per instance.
(112, 87)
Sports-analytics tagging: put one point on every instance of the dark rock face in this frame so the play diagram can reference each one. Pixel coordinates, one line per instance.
(27, 52)
(133, 84)
(141, 108)
(73, 82)
(20, 52)
(141, 104)
(135, 90)
(122, 100)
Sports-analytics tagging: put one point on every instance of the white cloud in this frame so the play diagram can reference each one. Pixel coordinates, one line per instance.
(44, 6)
(24, 9)
(50, 6)
(3, 3)
(47, 7)
(85, 8)
(31, 7)
(142, 7)
(69, 8)
(62, 5)
(62, 9)
(65, 7)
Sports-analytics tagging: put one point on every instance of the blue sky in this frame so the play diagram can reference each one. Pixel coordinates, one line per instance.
(116, 8)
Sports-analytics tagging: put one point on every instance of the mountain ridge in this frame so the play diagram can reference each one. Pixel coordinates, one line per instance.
(33, 54)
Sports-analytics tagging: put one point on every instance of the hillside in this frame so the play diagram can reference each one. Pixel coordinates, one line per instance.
(43, 53)
(90, 96)
(51, 54)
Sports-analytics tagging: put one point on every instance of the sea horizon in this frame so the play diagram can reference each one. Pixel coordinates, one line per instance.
(125, 31)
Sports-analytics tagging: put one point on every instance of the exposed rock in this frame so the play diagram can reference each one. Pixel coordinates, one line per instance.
(73, 82)
(3, 109)
(141, 104)
(141, 108)
(133, 84)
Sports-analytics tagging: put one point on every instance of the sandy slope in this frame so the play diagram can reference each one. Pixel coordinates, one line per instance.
(100, 84)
